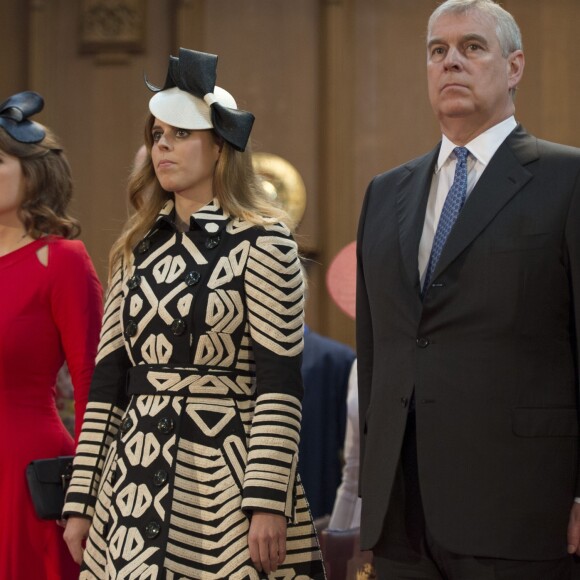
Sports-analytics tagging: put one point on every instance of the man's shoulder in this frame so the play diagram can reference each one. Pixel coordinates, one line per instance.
(524, 143)
(559, 149)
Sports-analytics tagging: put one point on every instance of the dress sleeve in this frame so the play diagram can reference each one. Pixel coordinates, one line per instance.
(107, 402)
(274, 289)
(77, 309)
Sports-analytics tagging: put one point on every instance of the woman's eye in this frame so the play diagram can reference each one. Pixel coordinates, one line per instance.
(182, 132)
(156, 136)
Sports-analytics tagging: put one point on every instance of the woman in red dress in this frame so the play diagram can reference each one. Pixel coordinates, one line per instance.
(50, 311)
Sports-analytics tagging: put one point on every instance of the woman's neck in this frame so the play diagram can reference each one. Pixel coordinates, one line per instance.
(12, 237)
(185, 207)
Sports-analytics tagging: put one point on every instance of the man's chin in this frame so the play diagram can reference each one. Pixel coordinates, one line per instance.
(455, 110)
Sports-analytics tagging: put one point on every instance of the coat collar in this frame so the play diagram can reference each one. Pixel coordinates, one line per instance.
(504, 177)
(211, 218)
(413, 192)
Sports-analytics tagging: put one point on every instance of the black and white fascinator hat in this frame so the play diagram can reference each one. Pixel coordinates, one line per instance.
(15, 113)
(189, 99)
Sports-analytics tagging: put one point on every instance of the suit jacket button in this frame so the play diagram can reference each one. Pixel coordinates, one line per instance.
(422, 342)
(404, 401)
(126, 425)
(152, 530)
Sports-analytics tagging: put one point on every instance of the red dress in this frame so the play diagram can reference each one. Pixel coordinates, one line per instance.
(47, 314)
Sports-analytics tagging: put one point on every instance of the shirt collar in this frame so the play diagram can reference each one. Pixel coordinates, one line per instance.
(482, 147)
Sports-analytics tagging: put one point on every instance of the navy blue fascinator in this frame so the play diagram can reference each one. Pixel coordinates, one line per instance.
(15, 113)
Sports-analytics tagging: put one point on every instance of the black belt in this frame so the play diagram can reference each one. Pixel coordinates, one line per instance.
(173, 380)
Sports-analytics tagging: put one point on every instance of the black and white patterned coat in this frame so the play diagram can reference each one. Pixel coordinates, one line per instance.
(194, 413)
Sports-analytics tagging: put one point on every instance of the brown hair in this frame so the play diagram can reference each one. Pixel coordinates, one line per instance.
(235, 185)
(48, 186)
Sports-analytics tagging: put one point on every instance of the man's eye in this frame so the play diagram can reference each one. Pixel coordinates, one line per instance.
(437, 51)
(473, 47)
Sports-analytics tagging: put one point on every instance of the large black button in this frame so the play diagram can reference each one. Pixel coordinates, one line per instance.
(152, 530)
(130, 328)
(422, 342)
(212, 242)
(192, 278)
(127, 424)
(165, 425)
(160, 478)
(134, 282)
(143, 246)
(178, 326)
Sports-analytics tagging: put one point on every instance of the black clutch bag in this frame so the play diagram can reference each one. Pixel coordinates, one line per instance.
(47, 481)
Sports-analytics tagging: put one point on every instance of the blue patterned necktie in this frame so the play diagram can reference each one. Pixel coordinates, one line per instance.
(451, 208)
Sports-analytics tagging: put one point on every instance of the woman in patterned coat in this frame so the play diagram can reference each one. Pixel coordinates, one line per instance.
(186, 464)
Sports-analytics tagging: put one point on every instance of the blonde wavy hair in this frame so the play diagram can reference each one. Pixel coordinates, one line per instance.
(237, 188)
(48, 186)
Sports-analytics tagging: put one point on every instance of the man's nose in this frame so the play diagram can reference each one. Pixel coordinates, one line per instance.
(452, 58)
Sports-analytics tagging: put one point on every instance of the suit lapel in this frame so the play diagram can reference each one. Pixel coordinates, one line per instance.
(413, 193)
(503, 178)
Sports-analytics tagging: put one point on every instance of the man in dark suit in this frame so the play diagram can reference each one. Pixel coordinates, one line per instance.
(468, 309)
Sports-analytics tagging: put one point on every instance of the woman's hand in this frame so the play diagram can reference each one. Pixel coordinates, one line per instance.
(267, 541)
(75, 531)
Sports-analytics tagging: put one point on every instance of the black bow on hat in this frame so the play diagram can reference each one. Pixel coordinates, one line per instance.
(195, 73)
(14, 113)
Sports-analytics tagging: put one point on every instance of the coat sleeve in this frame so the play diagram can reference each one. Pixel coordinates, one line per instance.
(572, 238)
(364, 335)
(107, 402)
(274, 289)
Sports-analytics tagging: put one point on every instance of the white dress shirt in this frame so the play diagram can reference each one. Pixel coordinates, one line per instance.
(481, 150)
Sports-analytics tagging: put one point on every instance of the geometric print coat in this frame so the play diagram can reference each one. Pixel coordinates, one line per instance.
(194, 411)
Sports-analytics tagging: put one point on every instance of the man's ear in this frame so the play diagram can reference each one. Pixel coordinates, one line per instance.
(516, 63)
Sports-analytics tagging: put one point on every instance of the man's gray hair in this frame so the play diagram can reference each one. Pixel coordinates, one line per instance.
(507, 30)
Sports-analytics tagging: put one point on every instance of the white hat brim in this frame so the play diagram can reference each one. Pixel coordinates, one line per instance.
(181, 109)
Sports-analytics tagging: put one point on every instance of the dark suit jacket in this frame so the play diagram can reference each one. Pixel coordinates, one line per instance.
(491, 352)
(326, 366)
